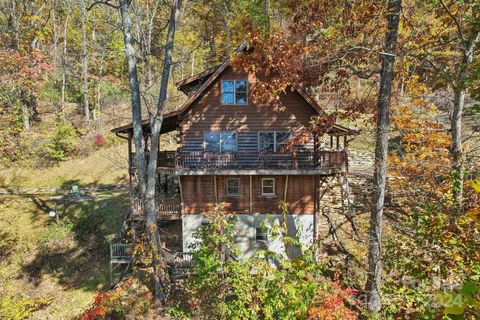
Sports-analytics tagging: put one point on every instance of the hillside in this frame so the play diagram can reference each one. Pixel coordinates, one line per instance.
(57, 267)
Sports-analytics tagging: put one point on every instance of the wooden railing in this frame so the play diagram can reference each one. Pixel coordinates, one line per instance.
(165, 159)
(165, 207)
(258, 160)
(306, 159)
(169, 206)
(120, 251)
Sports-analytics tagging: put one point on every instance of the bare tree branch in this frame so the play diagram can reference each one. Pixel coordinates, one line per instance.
(455, 20)
(107, 2)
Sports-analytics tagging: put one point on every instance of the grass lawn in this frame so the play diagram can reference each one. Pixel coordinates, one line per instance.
(55, 268)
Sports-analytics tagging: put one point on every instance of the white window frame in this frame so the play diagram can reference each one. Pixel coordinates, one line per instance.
(234, 93)
(268, 194)
(220, 142)
(274, 139)
(232, 194)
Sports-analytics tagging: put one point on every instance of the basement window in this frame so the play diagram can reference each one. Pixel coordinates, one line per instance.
(234, 92)
(261, 234)
(268, 186)
(233, 187)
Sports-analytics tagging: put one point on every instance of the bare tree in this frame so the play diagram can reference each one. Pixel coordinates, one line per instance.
(467, 44)
(373, 284)
(64, 64)
(86, 106)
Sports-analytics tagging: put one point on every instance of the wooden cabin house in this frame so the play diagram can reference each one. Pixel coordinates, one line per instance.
(230, 151)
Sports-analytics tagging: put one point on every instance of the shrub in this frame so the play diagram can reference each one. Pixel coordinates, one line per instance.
(126, 301)
(63, 141)
(17, 307)
(255, 288)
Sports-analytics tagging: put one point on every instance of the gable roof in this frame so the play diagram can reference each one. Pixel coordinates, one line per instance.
(211, 75)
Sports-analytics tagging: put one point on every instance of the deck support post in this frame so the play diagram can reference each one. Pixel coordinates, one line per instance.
(315, 211)
(251, 194)
(215, 189)
(181, 195)
(286, 189)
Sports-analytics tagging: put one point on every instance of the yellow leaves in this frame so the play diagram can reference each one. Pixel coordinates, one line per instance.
(475, 185)
(474, 213)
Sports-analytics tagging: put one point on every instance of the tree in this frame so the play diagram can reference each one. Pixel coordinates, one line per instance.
(86, 106)
(147, 170)
(445, 61)
(373, 285)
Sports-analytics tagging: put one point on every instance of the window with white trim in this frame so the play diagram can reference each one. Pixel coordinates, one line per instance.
(234, 91)
(232, 187)
(220, 141)
(268, 186)
(272, 141)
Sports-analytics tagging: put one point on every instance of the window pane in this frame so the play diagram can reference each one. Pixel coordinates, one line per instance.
(212, 141)
(227, 98)
(268, 183)
(227, 86)
(240, 98)
(233, 186)
(266, 141)
(241, 85)
(268, 186)
(261, 234)
(229, 141)
(282, 138)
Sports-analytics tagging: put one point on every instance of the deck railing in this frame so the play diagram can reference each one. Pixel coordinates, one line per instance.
(164, 159)
(259, 160)
(120, 251)
(306, 159)
(165, 207)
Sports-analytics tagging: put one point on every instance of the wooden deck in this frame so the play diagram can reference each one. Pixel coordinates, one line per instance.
(304, 160)
(167, 209)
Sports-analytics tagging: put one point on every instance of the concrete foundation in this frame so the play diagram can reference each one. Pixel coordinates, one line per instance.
(253, 232)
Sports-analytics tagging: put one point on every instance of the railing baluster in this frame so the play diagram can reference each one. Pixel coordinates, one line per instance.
(304, 159)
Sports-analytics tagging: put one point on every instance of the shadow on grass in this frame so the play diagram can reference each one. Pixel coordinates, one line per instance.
(75, 251)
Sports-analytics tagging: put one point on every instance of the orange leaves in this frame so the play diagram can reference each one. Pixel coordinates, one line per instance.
(332, 305)
(22, 70)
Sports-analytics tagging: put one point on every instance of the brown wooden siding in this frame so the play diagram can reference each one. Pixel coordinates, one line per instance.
(199, 196)
(208, 114)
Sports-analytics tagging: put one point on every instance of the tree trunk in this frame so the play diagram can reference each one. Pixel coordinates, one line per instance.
(456, 148)
(161, 278)
(456, 151)
(84, 62)
(135, 96)
(64, 65)
(373, 284)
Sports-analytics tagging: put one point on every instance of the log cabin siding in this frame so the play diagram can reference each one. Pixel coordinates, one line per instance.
(199, 195)
(208, 114)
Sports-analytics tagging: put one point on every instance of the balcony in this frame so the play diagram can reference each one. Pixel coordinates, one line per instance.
(302, 162)
(167, 208)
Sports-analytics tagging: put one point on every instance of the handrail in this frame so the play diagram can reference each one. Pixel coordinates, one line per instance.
(303, 159)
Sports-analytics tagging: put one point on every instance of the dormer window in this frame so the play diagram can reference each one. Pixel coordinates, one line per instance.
(234, 92)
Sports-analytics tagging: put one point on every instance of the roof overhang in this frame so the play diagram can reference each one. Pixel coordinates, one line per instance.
(169, 124)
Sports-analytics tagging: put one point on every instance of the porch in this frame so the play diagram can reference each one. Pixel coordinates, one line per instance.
(323, 161)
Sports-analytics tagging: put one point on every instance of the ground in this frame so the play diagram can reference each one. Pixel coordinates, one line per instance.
(62, 263)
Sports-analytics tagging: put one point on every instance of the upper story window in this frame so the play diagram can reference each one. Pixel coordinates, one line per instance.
(272, 141)
(234, 91)
(220, 141)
